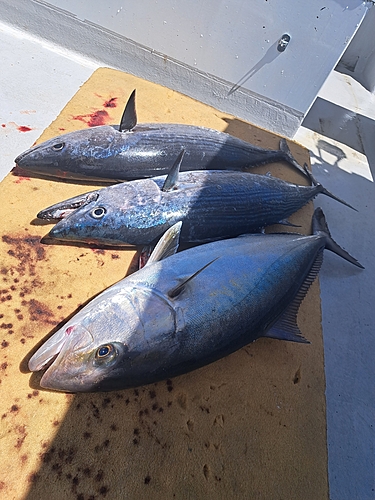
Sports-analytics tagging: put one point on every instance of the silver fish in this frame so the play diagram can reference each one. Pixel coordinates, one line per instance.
(185, 311)
(211, 204)
(130, 151)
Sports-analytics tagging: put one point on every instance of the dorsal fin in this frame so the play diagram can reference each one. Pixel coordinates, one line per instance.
(129, 116)
(286, 327)
(172, 178)
(174, 292)
(167, 245)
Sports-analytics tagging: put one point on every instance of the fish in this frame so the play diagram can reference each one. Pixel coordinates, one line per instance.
(186, 310)
(112, 153)
(211, 204)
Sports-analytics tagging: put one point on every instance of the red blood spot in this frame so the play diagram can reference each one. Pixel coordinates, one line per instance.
(95, 119)
(3, 125)
(69, 330)
(98, 118)
(23, 128)
(111, 103)
(21, 173)
(21, 179)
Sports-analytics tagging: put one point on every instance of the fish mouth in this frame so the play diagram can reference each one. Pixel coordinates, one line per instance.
(32, 158)
(53, 356)
(61, 232)
(18, 160)
(48, 351)
(65, 208)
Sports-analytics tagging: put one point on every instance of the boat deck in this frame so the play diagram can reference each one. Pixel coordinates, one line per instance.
(38, 79)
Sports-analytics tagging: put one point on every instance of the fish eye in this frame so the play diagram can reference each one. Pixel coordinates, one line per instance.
(98, 212)
(105, 355)
(59, 146)
(104, 351)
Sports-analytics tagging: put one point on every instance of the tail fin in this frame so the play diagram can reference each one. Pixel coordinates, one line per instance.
(289, 157)
(323, 190)
(319, 226)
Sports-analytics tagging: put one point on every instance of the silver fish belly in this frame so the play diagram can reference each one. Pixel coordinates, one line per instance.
(183, 312)
(211, 205)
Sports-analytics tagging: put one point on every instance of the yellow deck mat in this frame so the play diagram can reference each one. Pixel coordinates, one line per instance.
(251, 425)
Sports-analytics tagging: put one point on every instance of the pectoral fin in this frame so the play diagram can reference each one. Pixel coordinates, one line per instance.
(286, 222)
(174, 292)
(167, 245)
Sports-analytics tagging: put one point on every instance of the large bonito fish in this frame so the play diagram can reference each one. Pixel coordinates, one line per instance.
(185, 311)
(211, 205)
(130, 151)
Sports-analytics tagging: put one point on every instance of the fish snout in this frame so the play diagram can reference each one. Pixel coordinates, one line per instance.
(62, 231)
(38, 160)
(56, 233)
(68, 365)
(25, 159)
(73, 337)
(18, 160)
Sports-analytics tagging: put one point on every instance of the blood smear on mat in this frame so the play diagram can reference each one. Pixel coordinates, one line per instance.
(99, 117)
(111, 103)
